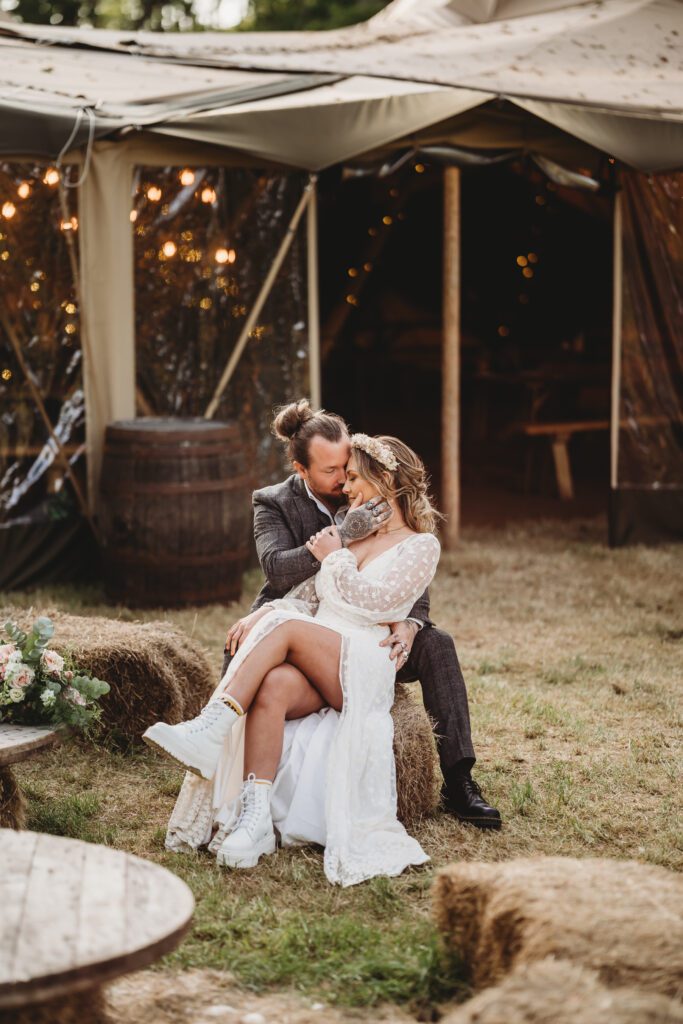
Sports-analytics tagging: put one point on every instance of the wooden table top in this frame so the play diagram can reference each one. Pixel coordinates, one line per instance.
(75, 915)
(17, 742)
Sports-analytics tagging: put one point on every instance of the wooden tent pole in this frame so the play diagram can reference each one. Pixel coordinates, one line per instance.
(261, 298)
(60, 454)
(450, 402)
(617, 285)
(313, 301)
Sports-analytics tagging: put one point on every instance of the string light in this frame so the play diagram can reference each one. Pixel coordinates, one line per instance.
(528, 272)
(419, 168)
(69, 225)
(70, 328)
(8, 210)
(387, 219)
(153, 194)
(133, 216)
(533, 258)
(372, 232)
(367, 267)
(222, 256)
(205, 303)
(352, 272)
(51, 176)
(187, 177)
(522, 261)
(70, 308)
(540, 200)
(6, 374)
(208, 195)
(4, 255)
(352, 300)
(169, 249)
(34, 286)
(24, 190)
(503, 331)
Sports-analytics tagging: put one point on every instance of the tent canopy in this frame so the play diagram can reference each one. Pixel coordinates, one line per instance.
(609, 73)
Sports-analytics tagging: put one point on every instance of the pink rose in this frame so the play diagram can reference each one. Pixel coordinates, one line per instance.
(73, 695)
(18, 674)
(7, 651)
(52, 663)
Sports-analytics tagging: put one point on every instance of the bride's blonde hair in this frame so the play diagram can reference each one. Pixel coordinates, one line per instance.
(407, 484)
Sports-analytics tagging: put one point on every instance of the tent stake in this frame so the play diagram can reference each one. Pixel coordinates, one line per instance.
(266, 287)
(61, 455)
(450, 402)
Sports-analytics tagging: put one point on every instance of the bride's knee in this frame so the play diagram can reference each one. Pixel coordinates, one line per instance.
(277, 686)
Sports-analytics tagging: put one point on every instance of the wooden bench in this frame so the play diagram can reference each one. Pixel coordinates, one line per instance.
(560, 435)
(18, 742)
(74, 916)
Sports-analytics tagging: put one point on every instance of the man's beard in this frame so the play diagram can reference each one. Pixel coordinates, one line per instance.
(336, 498)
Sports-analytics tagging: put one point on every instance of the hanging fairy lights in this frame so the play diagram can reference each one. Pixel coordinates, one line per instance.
(8, 210)
(51, 176)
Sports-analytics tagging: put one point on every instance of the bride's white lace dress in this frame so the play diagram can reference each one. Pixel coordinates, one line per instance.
(335, 784)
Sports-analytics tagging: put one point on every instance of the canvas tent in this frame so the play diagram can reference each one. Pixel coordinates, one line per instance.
(562, 80)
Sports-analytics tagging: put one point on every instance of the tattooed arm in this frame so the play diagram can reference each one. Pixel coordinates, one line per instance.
(359, 523)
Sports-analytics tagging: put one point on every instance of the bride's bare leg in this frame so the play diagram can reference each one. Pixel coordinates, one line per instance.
(313, 649)
(285, 693)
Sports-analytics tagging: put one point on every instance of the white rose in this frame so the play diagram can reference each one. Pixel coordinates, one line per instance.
(48, 698)
(52, 663)
(6, 652)
(16, 694)
(19, 675)
(74, 696)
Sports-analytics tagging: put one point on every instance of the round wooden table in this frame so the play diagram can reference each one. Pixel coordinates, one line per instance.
(75, 915)
(18, 742)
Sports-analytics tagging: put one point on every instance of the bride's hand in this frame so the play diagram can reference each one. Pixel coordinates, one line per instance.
(324, 543)
(240, 630)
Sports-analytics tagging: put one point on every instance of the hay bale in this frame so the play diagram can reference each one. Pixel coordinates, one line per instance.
(12, 802)
(417, 769)
(155, 671)
(557, 992)
(619, 918)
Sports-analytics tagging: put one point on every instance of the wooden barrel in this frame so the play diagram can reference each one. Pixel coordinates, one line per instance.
(176, 511)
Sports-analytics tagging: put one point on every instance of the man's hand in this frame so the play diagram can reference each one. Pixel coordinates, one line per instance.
(241, 629)
(360, 522)
(400, 641)
(324, 542)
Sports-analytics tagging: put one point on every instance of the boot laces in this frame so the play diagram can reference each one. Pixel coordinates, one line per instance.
(207, 716)
(250, 811)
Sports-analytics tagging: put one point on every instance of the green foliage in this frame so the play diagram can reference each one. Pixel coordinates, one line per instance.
(168, 15)
(300, 15)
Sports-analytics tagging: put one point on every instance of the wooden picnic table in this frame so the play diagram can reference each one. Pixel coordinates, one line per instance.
(75, 915)
(17, 743)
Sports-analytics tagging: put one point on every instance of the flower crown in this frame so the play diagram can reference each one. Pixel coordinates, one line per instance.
(376, 450)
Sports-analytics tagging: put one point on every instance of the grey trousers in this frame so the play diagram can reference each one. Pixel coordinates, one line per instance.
(434, 662)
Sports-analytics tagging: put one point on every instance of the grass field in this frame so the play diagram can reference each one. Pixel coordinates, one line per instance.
(573, 655)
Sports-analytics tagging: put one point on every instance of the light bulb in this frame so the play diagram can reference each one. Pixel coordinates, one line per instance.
(8, 210)
(24, 190)
(51, 176)
(187, 177)
(222, 256)
(208, 195)
(153, 194)
(169, 249)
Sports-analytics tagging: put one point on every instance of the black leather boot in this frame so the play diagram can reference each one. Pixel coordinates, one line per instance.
(462, 796)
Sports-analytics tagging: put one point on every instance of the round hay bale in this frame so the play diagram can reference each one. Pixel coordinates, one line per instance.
(155, 672)
(557, 992)
(12, 802)
(417, 767)
(620, 918)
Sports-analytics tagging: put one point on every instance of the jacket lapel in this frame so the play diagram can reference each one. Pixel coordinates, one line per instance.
(309, 514)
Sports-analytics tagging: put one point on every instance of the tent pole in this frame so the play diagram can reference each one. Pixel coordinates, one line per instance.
(261, 298)
(313, 301)
(450, 398)
(107, 272)
(617, 285)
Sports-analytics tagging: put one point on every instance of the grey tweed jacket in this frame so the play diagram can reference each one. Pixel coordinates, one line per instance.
(284, 519)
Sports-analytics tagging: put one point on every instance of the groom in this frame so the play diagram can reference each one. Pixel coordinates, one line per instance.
(285, 517)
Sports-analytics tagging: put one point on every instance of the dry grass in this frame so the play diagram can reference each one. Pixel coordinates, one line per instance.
(573, 656)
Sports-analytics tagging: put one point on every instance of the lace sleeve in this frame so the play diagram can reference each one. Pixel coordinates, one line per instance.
(389, 598)
(301, 598)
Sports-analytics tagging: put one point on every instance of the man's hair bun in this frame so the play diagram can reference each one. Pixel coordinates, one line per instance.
(291, 418)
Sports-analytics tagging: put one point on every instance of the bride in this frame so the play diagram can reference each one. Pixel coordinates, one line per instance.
(303, 710)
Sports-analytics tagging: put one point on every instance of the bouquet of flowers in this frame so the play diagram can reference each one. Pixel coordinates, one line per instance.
(38, 686)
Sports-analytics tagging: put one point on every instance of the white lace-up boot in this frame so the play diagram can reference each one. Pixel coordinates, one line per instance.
(197, 743)
(253, 835)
